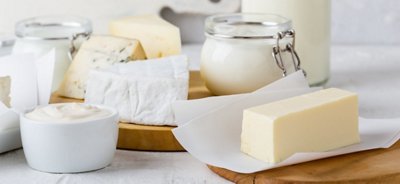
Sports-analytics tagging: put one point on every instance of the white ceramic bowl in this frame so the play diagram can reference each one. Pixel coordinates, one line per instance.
(70, 147)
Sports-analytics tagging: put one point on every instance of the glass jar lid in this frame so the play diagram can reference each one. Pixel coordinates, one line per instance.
(52, 27)
(246, 25)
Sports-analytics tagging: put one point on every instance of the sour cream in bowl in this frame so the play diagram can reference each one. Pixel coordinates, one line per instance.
(69, 137)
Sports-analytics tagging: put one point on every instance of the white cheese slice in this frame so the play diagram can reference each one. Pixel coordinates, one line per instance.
(314, 122)
(158, 37)
(5, 87)
(96, 53)
(142, 92)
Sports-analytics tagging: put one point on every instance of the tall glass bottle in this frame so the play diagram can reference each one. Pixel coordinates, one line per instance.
(311, 20)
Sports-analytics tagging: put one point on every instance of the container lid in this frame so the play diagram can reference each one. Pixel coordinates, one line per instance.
(246, 25)
(52, 27)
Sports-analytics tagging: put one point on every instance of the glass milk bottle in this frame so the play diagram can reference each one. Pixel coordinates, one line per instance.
(311, 20)
(244, 52)
(41, 34)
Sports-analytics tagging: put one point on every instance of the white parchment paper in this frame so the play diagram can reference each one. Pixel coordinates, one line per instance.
(31, 81)
(21, 69)
(210, 128)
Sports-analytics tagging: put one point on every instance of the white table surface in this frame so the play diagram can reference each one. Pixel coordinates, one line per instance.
(371, 71)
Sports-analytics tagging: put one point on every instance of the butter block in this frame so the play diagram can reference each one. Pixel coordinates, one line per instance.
(314, 122)
(158, 37)
(5, 87)
(142, 92)
(96, 53)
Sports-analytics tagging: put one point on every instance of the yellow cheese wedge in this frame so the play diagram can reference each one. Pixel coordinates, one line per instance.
(158, 37)
(314, 122)
(5, 87)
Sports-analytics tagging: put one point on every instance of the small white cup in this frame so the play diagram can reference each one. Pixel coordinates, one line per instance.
(70, 147)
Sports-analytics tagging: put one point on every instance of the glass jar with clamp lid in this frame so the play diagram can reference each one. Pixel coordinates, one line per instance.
(244, 52)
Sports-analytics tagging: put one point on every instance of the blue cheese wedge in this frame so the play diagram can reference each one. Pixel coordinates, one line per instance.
(5, 87)
(96, 53)
(315, 122)
(142, 92)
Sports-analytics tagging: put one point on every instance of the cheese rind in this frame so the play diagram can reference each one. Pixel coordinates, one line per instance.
(158, 37)
(315, 122)
(5, 87)
(96, 53)
(142, 92)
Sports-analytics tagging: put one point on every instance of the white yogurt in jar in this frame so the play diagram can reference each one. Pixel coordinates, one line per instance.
(41, 34)
(234, 60)
(67, 113)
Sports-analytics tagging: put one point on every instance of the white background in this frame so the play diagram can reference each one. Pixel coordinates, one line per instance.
(353, 21)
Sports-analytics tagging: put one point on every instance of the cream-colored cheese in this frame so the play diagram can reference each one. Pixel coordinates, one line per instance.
(314, 122)
(142, 92)
(158, 37)
(5, 87)
(96, 53)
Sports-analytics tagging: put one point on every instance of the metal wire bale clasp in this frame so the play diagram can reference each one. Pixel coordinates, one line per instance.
(277, 52)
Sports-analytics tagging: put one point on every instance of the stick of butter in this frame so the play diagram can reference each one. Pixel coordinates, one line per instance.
(158, 37)
(314, 122)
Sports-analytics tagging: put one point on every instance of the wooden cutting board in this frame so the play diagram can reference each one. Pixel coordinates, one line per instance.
(373, 166)
(151, 138)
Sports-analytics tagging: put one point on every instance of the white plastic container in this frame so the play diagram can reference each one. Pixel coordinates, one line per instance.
(237, 56)
(70, 147)
(41, 34)
(311, 20)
